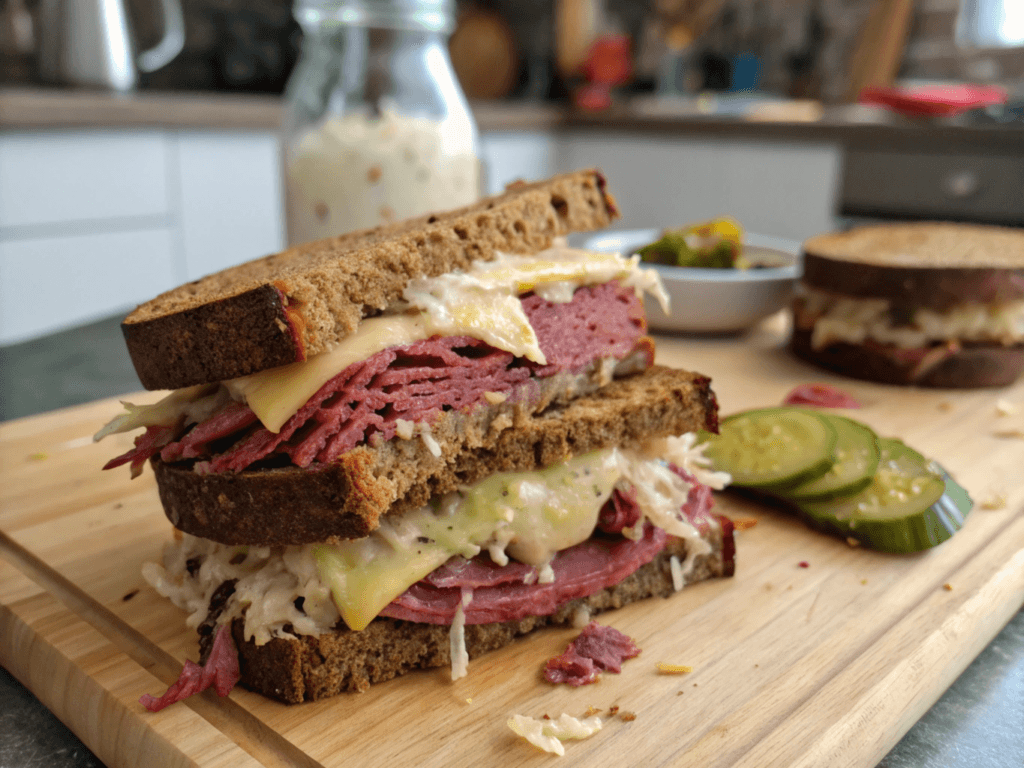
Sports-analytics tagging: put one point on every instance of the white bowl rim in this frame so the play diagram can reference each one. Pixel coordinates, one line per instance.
(789, 248)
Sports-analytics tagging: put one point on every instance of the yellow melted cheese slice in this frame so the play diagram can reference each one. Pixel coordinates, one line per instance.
(529, 515)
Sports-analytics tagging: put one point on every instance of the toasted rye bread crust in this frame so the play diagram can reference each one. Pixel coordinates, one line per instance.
(291, 305)
(971, 366)
(310, 668)
(934, 265)
(345, 499)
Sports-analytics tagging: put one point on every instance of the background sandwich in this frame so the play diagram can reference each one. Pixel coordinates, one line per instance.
(930, 304)
(406, 446)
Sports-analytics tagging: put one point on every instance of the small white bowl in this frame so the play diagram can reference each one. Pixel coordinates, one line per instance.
(714, 300)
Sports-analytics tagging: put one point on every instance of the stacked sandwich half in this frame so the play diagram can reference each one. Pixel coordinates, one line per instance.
(403, 447)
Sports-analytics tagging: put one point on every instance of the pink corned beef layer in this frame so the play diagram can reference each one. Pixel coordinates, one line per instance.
(416, 382)
(500, 592)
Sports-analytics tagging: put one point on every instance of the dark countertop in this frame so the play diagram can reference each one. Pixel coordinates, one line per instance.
(709, 116)
(978, 722)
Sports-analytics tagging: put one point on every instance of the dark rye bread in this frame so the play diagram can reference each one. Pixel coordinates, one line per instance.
(956, 366)
(291, 305)
(923, 264)
(346, 498)
(316, 667)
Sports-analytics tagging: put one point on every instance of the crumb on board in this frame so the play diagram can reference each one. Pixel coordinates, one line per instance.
(627, 716)
(39, 456)
(469, 701)
(673, 669)
(852, 541)
(744, 523)
(613, 710)
(863, 581)
(945, 405)
(592, 710)
(1006, 408)
(679, 693)
(130, 595)
(993, 501)
(1008, 434)
(948, 587)
(804, 564)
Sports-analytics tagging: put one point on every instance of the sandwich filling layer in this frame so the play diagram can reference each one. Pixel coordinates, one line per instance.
(525, 543)
(833, 318)
(516, 320)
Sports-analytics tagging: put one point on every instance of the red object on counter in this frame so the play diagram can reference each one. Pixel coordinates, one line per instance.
(934, 100)
(608, 64)
(821, 396)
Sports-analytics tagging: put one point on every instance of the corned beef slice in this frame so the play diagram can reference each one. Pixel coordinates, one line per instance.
(418, 381)
(147, 444)
(571, 668)
(619, 512)
(596, 648)
(220, 672)
(579, 571)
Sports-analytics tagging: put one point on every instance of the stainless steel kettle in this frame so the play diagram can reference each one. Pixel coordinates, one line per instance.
(89, 42)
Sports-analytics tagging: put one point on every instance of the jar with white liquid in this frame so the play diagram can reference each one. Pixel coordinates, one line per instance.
(377, 128)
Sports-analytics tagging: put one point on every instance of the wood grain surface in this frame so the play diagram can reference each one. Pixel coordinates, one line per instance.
(824, 665)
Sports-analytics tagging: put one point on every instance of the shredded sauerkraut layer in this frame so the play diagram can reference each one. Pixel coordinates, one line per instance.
(284, 591)
(856, 320)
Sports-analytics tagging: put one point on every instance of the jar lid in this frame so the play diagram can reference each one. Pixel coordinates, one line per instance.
(428, 15)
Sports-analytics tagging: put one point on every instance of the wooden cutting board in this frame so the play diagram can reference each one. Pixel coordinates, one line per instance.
(828, 664)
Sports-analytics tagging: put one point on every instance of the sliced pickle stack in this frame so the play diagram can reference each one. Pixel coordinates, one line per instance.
(841, 477)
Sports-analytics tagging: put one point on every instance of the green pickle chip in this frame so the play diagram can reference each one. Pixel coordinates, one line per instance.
(841, 476)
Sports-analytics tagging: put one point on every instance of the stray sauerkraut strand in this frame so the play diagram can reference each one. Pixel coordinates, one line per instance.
(548, 735)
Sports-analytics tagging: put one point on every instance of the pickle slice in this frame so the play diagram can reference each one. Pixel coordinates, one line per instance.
(911, 504)
(770, 448)
(857, 457)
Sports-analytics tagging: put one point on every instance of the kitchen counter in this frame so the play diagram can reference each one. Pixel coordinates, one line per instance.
(724, 117)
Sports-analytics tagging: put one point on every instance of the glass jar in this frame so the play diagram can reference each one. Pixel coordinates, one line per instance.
(377, 128)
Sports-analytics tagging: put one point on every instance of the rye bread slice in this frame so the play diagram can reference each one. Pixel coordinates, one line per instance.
(291, 305)
(965, 366)
(317, 667)
(922, 264)
(345, 499)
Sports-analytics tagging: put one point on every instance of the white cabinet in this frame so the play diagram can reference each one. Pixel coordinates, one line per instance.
(94, 222)
(49, 283)
(512, 155)
(65, 177)
(231, 199)
(772, 188)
